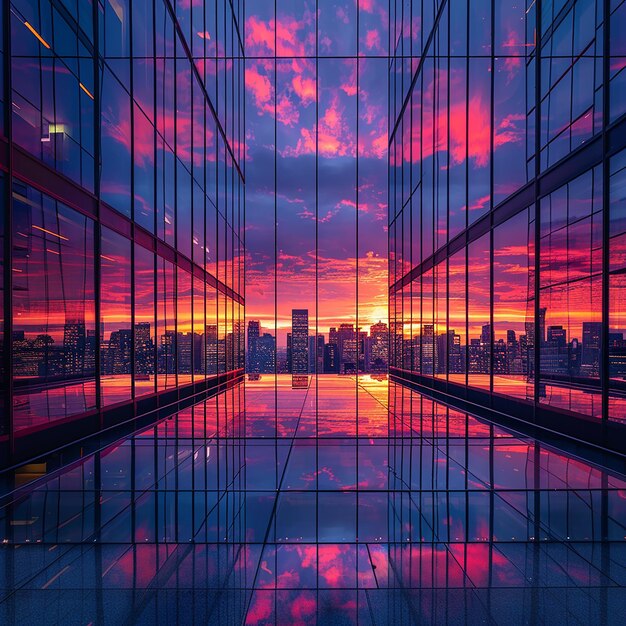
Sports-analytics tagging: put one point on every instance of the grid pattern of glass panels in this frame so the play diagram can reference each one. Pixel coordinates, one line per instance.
(430, 516)
(506, 196)
(316, 75)
(122, 206)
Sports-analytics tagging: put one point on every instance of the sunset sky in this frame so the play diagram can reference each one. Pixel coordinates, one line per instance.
(286, 89)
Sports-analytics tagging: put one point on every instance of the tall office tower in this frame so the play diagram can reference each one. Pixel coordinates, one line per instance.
(333, 336)
(74, 345)
(288, 354)
(379, 347)
(455, 354)
(254, 329)
(311, 354)
(319, 354)
(300, 341)
(266, 354)
(506, 215)
(211, 348)
(121, 201)
(144, 349)
(365, 356)
(428, 349)
(331, 358)
(346, 343)
(316, 354)
(591, 342)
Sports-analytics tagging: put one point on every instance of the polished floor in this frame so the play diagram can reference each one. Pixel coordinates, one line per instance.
(344, 502)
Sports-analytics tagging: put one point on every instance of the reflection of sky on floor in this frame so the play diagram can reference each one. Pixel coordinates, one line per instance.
(342, 503)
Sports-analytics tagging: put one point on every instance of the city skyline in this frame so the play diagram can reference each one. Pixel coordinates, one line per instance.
(337, 356)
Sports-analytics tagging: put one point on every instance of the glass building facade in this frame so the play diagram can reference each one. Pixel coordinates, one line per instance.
(507, 191)
(121, 158)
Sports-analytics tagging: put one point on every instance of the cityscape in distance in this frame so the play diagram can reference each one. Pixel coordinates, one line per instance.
(348, 349)
(339, 352)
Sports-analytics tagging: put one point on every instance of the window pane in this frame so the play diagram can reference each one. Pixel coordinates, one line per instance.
(570, 317)
(115, 318)
(184, 336)
(478, 313)
(457, 342)
(145, 327)
(617, 289)
(513, 305)
(115, 144)
(54, 337)
(166, 324)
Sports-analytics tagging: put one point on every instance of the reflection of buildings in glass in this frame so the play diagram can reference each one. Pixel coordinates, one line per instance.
(116, 353)
(132, 250)
(211, 348)
(74, 346)
(617, 355)
(527, 243)
(590, 358)
(428, 349)
(261, 350)
(513, 355)
(167, 352)
(184, 350)
(144, 349)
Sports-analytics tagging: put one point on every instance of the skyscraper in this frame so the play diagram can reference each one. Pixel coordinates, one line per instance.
(299, 341)
(591, 343)
(266, 354)
(379, 347)
(254, 328)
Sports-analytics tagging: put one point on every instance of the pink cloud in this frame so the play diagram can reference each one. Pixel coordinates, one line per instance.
(286, 37)
(305, 88)
(303, 607)
(380, 145)
(513, 63)
(343, 15)
(261, 609)
(334, 137)
(372, 40)
(466, 139)
(286, 112)
(480, 203)
(349, 86)
(259, 35)
(259, 85)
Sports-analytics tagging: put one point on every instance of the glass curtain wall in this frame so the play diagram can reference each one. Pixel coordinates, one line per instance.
(505, 169)
(122, 209)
